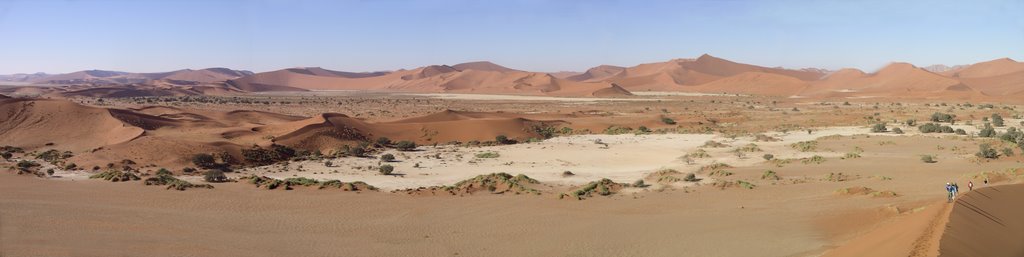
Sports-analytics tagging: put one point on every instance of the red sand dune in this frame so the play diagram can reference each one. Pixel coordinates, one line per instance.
(675, 74)
(758, 83)
(168, 136)
(986, 222)
(900, 80)
(69, 126)
(996, 79)
(597, 73)
(186, 76)
(479, 77)
(483, 66)
(991, 68)
(330, 131)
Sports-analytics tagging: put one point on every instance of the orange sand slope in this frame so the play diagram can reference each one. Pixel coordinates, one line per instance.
(168, 136)
(478, 77)
(986, 222)
(983, 222)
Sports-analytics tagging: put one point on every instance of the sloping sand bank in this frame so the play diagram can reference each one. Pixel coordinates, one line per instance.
(986, 222)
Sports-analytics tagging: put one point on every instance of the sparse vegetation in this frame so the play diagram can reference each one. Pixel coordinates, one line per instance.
(879, 128)
(215, 176)
(386, 169)
(714, 144)
(997, 120)
(668, 121)
(205, 161)
(260, 156)
(116, 175)
(942, 117)
(700, 153)
(817, 159)
(805, 146)
(487, 155)
(165, 178)
(602, 187)
(387, 157)
(928, 158)
(935, 128)
(770, 175)
(405, 145)
(988, 131)
(617, 130)
(986, 151)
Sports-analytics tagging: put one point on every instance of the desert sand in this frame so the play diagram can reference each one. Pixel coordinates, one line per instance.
(689, 157)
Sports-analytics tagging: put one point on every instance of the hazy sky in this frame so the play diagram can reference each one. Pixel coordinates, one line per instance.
(153, 35)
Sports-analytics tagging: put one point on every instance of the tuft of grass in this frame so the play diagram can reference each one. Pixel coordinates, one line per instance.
(715, 166)
(116, 176)
(805, 146)
(927, 158)
(745, 184)
(720, 173)
(488, 155)
(770, 175)
(602, 187)
(713, 144)
(817, 159)
(700, 153)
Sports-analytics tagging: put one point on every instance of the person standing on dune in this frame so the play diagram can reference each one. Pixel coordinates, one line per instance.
(970, 185)
(956, 190)
(949, 192)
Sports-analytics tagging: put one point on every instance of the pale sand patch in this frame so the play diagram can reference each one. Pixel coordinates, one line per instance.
(670, 93)
(625, 159)
(493, 97)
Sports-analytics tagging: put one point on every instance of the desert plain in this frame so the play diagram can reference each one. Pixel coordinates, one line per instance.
(688, 157)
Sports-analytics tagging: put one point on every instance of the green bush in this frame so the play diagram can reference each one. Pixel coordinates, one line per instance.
(986, 151)
(261, 156)
(1008, 152)
(405, 145)
(617, 130)
(805, 146)
(488, 155)
(205, 161)
(357, 151)
(879, 128)
(928, 158)
(897, 131)
(988, 131)
(668, 121)
(545, 131)
(935, 128)
(116, 176)
(942, 117)
(502, 139)
(387, 157)
(214, 176)
(26, 165)
(997, 120)
(383, 141)
(386, 169)
(768, 157)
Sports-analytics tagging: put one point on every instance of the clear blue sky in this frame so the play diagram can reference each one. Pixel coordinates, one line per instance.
(554, 35)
